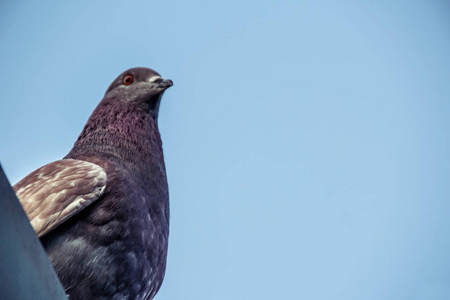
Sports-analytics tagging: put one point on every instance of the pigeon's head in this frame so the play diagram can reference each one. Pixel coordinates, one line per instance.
(141, 87)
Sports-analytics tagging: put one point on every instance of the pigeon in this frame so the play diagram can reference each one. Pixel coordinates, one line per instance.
(102, 212)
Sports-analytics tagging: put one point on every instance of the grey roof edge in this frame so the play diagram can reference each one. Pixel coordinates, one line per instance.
(25, 271)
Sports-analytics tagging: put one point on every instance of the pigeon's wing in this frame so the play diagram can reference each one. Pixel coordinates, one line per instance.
(57, 191)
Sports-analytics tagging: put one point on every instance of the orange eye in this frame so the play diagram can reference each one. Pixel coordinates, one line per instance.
(127, 80)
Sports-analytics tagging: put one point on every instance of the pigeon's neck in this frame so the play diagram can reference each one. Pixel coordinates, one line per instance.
(121, 133)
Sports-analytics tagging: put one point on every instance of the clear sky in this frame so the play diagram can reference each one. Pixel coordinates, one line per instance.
(306, 142)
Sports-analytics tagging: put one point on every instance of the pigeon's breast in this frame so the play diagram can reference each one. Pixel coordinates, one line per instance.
(119, 244)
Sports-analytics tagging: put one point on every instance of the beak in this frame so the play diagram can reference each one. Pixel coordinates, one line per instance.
(165, 84)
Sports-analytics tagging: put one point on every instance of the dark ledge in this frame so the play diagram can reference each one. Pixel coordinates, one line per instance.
(25, 271)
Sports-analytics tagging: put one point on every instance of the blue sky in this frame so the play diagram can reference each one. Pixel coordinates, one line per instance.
(306, 142)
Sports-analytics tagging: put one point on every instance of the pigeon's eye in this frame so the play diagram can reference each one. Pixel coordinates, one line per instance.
(127, 80)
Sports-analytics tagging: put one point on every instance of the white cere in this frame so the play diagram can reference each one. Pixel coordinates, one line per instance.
(154, 78)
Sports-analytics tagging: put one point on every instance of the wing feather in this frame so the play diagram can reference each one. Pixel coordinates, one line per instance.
(57, 191)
